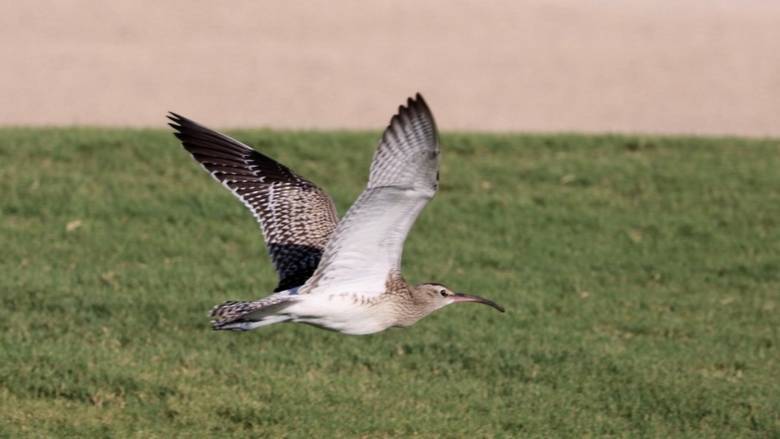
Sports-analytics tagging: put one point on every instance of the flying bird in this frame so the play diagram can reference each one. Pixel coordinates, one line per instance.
(342, 275)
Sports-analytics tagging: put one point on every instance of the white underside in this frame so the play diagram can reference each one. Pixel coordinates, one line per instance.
(334, 312)
(340, 313)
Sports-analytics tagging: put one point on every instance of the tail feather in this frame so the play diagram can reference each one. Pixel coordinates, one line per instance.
(246, 315)
(248, 325)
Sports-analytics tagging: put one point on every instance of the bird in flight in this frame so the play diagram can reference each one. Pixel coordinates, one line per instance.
(339, 275)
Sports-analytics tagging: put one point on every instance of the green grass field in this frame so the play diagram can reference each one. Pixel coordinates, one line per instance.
(641, 277)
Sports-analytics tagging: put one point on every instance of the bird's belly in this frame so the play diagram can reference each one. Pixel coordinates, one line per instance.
(341, 314)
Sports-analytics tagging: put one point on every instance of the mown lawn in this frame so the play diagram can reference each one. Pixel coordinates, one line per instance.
(641, 277)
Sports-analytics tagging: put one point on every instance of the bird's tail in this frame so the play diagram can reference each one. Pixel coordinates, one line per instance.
(247, 315)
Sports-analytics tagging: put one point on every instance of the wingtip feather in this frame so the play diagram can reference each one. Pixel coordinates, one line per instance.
(174, 117)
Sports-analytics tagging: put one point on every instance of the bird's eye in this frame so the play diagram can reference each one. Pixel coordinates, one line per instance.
(443, 293)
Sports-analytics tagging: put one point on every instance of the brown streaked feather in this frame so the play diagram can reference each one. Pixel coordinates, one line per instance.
(297, 218)
(237, 311)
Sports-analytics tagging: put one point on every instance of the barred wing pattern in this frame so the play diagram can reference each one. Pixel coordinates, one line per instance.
(368, 242)
(232, 311)
(297, 218)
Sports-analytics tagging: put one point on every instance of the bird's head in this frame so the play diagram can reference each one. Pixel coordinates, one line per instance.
(439, 296)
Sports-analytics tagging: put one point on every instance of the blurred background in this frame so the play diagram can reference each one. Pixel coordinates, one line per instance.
(702, 67)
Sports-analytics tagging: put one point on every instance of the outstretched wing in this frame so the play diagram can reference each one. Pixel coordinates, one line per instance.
(367, 244)
(296, 217)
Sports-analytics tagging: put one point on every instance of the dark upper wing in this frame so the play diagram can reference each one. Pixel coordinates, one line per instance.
(296, 217)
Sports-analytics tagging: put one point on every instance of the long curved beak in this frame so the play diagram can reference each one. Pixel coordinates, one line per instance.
(458, 297)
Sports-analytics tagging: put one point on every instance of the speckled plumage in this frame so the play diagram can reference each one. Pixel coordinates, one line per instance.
(339, 275)
(296, 217)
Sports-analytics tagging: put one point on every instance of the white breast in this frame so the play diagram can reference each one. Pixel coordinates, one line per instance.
(344, 313)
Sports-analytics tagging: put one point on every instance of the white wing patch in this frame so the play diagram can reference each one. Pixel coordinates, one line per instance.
(368, 242)
(375, 229)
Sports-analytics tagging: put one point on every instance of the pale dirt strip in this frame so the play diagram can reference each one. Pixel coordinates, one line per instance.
(706, 67)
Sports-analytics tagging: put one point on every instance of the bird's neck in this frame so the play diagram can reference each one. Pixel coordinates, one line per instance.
(406, 304)
(397, 285)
